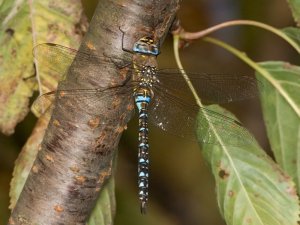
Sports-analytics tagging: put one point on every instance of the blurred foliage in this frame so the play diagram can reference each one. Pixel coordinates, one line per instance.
(181, 185)
(103, 212)
(15, 65)
(295, 7)
(24, 25)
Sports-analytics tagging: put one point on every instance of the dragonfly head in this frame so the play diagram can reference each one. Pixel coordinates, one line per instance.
(146, 45)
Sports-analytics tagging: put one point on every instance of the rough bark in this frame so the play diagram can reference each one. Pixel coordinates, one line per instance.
(76, 155)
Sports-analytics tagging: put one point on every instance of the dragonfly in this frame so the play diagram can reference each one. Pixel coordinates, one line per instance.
(160, 95)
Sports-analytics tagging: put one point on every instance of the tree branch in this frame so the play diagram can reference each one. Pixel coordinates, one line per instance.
(80, 142)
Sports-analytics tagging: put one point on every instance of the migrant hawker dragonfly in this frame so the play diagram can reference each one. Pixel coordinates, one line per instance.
(160, 95)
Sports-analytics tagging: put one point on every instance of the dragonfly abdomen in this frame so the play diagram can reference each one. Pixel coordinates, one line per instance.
(142, 100)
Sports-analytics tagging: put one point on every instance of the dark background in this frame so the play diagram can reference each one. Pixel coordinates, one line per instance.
(181, 185)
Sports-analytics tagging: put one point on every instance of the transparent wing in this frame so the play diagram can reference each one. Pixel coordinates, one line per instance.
(55, 57)
(211, 88)
(222, 130)
(58, 58)
(178, 116)
(44, 103)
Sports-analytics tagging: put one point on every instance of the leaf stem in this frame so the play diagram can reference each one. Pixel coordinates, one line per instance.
(185, 76)
(196, 35)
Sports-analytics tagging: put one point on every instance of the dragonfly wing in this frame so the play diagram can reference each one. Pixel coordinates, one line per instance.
(44, 103)
(212, 88)
(215, 128)
(175, 115)
(56, 59)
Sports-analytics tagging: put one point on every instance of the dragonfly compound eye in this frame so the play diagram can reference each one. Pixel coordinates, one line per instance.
(146, 46)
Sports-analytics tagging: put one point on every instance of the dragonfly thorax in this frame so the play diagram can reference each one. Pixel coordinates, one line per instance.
(147, 76)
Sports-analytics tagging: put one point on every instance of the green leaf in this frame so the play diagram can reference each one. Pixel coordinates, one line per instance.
(24, 24)
(295, 7)
(281, 116)
(251, 188)
(104, 210)
(293, 33)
